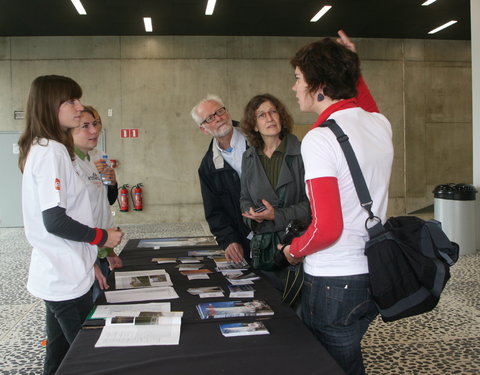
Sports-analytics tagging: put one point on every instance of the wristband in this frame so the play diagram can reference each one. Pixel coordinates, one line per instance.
(98, 237)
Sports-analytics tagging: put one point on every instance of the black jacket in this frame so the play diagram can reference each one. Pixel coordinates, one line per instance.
(221, 202)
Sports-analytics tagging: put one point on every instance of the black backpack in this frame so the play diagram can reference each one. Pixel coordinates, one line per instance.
(409, 258)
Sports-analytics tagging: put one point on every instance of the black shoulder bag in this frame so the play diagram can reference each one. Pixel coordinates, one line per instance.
(409, 258)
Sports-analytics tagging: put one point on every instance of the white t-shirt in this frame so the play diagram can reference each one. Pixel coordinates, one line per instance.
(60, 269)
(370, 135)
(97, 192)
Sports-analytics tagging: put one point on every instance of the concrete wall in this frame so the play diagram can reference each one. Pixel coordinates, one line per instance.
(151, 83)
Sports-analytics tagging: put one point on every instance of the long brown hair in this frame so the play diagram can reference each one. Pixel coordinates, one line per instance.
(46, 95)
(249, 121)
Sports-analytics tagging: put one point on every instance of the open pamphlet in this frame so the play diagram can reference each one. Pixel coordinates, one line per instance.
(243, 329)
(231, 309)
(142, 279)
(136, 327)
(142, 294)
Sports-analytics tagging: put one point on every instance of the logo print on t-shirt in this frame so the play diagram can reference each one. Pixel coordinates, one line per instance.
(57, 184)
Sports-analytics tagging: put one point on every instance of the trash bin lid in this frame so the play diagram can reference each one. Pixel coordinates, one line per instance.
(461, 192)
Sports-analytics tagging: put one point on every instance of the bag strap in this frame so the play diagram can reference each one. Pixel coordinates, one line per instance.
(357, 175)
(293, 284)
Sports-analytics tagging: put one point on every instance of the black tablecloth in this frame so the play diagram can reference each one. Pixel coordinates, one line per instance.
(290, 348)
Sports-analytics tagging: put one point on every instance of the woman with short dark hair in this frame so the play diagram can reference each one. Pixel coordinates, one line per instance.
(336, 301)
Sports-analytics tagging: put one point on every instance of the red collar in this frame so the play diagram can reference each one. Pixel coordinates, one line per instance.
(338, 106)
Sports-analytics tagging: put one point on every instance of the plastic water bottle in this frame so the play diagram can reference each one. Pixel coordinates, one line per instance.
(107, 165)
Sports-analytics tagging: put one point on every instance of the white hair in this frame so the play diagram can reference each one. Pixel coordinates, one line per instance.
(214, 98)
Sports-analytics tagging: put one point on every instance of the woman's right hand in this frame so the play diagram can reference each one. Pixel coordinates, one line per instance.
(115, 236)
(345, 41)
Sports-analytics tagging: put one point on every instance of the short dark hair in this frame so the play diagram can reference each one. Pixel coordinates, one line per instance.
(249, 121)
(329, 65)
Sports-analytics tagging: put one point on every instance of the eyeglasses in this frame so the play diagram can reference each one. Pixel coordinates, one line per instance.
(219, 112)
(263, 115)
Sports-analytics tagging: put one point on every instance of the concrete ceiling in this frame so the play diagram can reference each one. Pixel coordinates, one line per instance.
(359, 18)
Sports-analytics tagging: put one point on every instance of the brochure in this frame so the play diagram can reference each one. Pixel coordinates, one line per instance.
(207, 291)
(148, 328)
(207, 253)
(184, 267)
(230, 309)
(190, 259)
(142, 294)
(164, 260)
(231, 267)
(142, 279)
(243, 329)
(109, 311)
(158, 243)
(241, 291)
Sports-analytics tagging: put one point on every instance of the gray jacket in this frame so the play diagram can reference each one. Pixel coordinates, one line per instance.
(256, 186)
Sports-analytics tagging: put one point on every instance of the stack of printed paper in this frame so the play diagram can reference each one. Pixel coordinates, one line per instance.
(138, 325)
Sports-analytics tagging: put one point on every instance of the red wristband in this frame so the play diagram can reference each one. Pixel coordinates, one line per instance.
(98, 237)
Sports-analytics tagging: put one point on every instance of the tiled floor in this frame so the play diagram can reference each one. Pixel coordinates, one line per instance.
(444, 341)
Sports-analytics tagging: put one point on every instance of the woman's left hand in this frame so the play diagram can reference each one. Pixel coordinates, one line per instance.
(259, 217)
(286, 252)
(102, 280)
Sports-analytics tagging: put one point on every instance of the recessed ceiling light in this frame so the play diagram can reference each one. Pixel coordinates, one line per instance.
(79, 7)
(320, 14)
(210, 7)
(442, 27)
(148, 24)
(428, 2)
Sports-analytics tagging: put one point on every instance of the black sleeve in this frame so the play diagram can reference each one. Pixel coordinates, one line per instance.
(57, 222)
(112, 193)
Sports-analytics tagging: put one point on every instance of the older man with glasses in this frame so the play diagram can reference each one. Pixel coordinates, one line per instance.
(219, 174)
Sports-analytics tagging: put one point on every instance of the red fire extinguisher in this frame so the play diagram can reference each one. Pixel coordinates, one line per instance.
(123, 200)
(137, 197)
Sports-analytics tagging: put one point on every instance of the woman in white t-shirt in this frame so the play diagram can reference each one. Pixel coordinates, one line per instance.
(336, 300)
(57, 213)
(85, 139)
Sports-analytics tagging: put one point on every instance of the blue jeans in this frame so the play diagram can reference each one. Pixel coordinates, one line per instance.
(338, 310)
(63, 320)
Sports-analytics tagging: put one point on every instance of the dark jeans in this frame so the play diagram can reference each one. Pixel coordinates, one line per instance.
(63, 319)
(338, 310)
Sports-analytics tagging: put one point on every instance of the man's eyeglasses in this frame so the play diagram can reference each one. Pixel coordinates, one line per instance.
(219, 112)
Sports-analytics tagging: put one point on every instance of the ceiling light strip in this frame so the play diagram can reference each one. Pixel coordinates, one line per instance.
(321, 13)
(450, 23)
(148, 24)
(428, 2)
(79, 7)
(210, 7)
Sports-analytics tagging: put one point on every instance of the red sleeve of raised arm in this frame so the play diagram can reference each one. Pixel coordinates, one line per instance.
(327, 219)
(364, 97)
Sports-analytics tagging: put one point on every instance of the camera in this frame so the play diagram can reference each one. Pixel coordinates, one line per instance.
(295, 228)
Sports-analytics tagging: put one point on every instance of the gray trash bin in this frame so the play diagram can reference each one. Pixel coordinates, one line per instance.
(454, 207)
